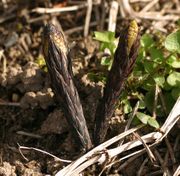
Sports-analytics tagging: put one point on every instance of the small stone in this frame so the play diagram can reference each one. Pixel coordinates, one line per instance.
(55, 123)
(15, 97)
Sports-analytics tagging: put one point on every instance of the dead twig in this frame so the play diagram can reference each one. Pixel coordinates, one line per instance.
(88, 17)
(135, 1)
(164, 168)
(103, 14)
(81, 28)
(6, 18)
(42, 151)
(176, 144)
(81, 5)
(94, 152)
(171, 152)
(113, 16)
(29, 134)
(149, 152)
(126, 9)
(142, 167)
(155, 101)
(177, 172)
(149, 6)
(9, 104)
(125, 129)
(162, 100)
(58, 10)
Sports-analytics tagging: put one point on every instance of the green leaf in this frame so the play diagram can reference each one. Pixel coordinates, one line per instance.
(146, 119)
(142, 117)
(148, 84)
(174, 79)
(141, 55)
(169, 101)
(104, 45)
(139, 66)
(160, 80)
(142, 104)
(156, 55)
(127, 106)
(153, 122)
(147, 41)
(108, 36)
(172, 42)
(40, 61)
(96, 77)
(149, 66)
(106, 61)
(110, 46)
(173, 61)
(137, 73)
(175, 93)
(166, 86)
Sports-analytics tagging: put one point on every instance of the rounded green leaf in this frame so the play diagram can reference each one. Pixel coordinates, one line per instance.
(166, 86)
(148, 84)
(127, 106)
(105, 36)
(175, 93)
(156, 55)
(160, 80)
(146, 41)
(143, 117)
(174, 79)
(149, 66)
(141, 55)
(142, 104)
(172, 42)
(173, 61)
(153, 122)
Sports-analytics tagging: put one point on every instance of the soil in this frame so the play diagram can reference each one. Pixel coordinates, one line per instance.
(29, 115)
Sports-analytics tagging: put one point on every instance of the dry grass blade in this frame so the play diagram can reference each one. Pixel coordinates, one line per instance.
(94, 153)
(88, 17)
(60, 70)
(97, 154)
(42, 151)
(124, 59)
(149, 152)
(177, 172)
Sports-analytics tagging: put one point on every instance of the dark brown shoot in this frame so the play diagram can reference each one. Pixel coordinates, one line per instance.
(124, 59)
(59, 66)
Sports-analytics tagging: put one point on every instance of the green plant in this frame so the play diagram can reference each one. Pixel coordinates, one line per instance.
(108, 43)
(156, 70)
(41, 62)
